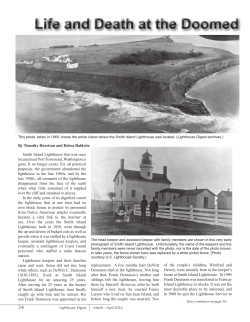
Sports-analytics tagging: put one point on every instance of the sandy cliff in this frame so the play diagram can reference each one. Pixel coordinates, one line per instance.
(113, 86)
(180, 84)
(169, 93)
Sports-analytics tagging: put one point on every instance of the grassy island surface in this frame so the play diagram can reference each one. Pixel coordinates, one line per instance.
(165, 81)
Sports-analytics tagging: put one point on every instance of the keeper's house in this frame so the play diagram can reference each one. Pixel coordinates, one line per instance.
(224, 200)
(198, 198)
(131, 185)
(75, 65)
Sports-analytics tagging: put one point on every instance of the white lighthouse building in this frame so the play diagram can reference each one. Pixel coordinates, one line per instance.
(146, 166)
(131, 185)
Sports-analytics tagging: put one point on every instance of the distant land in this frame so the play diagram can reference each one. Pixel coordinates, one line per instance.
(62, 46)
(222, 37)
(164, 83)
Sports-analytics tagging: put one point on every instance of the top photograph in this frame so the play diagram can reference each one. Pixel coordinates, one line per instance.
(127, 84)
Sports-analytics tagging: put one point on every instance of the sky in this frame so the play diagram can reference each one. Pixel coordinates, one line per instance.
(40, 41)
(188, 167)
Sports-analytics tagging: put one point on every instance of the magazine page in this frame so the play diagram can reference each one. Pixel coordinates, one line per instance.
(124, 161)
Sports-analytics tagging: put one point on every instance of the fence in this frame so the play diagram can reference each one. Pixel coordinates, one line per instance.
(201, 215)
(127, 204)
(101, 206)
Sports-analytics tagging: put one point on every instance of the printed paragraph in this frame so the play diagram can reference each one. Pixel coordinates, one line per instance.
(213, 279)
(51, 203)
(141, 248)
(60, 280)
(125, 282)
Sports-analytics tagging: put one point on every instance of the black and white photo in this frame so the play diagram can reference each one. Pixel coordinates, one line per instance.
(127, 84)
(161, 191)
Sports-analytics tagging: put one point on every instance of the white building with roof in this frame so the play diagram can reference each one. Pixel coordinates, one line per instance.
(198, 198)
(26, 62)
(131, 185)
(224, 200)
(75, 65)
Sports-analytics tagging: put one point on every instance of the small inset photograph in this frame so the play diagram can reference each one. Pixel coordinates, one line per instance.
(161, 191)
(127, 84)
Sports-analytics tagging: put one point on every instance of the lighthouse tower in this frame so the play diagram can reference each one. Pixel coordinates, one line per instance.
(146, 166)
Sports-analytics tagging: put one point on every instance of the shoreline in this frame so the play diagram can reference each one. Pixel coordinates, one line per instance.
(182, 84)
(197, 91)
(92, 113)
(131, 89)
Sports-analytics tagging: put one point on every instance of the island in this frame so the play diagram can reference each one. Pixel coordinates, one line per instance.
(165, 82)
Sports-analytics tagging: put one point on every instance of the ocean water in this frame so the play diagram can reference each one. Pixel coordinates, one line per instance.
(220, 92)
(48, 110)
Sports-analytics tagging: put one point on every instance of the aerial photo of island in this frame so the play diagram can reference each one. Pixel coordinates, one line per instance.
(127, 84)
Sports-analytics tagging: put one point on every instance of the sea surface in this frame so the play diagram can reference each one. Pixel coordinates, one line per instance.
(48, 110)
(220, 92)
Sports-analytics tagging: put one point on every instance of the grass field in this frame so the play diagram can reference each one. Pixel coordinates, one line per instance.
(104, 224)
(95, 59)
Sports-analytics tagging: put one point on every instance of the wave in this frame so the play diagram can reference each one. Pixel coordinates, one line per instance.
(156, 116)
